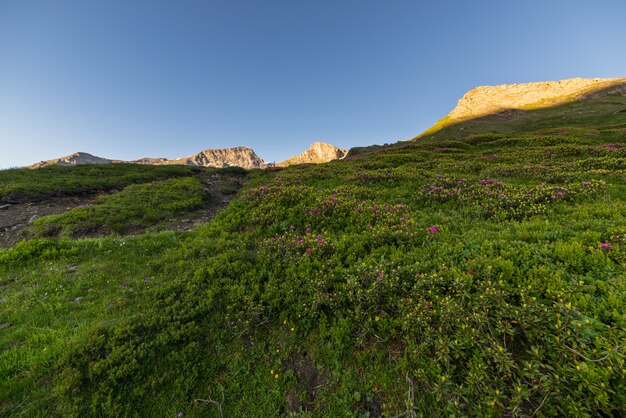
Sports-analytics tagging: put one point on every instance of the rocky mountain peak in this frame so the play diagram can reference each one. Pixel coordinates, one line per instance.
(244, 157)
(318, 152)
(223, 157)
(74, 159)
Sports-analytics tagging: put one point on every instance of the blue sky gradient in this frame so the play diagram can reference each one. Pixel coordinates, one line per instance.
(148, 78)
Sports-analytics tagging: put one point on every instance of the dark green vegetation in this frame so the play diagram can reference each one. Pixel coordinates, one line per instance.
(24, 183)
(134, 208)
(484, 276)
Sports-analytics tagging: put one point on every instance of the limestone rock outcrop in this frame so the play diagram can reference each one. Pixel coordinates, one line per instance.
(487, 100)
(244, 157)
(223, 157)
(318, 152)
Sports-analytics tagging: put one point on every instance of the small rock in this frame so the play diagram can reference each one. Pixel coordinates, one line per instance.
(33, 219)
(72, 269)
(5, 325)
(78, 299)
(3, 207)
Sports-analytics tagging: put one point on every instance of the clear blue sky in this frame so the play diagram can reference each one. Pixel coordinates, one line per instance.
(136, 78)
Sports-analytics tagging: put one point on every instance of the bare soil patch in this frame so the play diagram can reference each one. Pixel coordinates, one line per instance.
(222, 188)
(14, 217)
(310, 381)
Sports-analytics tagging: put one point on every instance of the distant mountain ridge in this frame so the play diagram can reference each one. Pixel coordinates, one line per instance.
(220, 157)
(244, 157)
(75, 159)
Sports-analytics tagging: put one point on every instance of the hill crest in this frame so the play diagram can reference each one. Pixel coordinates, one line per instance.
(485, 100)
(511, 100)
(74, 159)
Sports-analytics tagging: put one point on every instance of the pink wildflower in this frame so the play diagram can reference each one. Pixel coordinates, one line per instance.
(432, 229)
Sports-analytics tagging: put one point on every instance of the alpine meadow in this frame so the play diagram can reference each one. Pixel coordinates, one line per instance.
(477, 270)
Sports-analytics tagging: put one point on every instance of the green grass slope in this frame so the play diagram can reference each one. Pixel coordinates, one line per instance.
(587, 113)
(28, 184)
(479, 276)
(135, 208)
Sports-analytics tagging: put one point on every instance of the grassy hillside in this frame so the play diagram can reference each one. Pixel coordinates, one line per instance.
(134, 208)
(589, 113)
(28, 184)
(475, 276)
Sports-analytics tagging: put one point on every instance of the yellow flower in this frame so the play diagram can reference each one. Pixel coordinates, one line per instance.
(276, 376)
(377, 318)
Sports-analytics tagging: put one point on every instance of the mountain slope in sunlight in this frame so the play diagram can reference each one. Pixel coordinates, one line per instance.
(514, 107)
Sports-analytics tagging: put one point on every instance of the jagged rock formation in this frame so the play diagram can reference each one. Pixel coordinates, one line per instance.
(74, 159)
(487, 100)
(318, 152)
(223, 157)
(244, 157)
